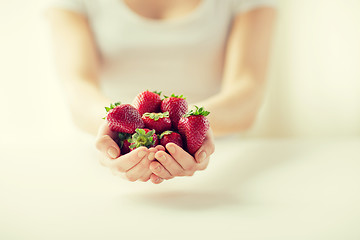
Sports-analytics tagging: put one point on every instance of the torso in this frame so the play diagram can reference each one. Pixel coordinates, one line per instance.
(162, 9)
(176, 46)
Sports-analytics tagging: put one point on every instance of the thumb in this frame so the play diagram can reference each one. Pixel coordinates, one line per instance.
(206, 149)
(105, 142)
(108, 146)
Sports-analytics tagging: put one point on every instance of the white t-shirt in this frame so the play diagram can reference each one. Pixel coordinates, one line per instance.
(181, 56)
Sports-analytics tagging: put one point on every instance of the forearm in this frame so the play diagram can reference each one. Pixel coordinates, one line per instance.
(234, 109)
(77, 61)
(86, 103)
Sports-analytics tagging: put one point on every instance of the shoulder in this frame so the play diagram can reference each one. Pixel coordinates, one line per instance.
(76, 6)
(244, 6)
(60, 16)
(65, 23)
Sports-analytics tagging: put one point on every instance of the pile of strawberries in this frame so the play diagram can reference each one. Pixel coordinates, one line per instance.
(151, 121)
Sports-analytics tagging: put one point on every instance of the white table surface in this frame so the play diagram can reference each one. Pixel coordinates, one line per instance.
(252, 189)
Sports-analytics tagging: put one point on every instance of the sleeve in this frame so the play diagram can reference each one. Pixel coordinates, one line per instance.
(239, 6)
(72, 5)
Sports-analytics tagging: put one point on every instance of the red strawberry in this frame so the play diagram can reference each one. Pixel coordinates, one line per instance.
(160, 122)
(123, 118)
(143, 137)
(124, 143)
(193, 127)
(125, 147)
(147, 102)
(171, 137)
(176, 106)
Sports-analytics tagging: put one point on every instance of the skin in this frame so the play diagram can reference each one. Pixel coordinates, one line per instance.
(134, 166)
(233, 109)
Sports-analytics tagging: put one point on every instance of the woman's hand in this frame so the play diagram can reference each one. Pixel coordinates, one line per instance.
(133, 166)
(180, 163)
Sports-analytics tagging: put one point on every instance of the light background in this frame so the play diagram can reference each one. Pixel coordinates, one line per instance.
(51, 186)
(313, 84)
(314, 80)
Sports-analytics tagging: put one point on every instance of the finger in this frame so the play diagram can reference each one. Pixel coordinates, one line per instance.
(128, 161)
(117, 173)
(105, 142)
(152, 152)
(160, 148)
(183, 158)
(169, 163)
(206, 149)
(156, 179)
(203, 165)
(159, 170)
(139, 170)
(108, 147)
(106, 161)
(146, 176)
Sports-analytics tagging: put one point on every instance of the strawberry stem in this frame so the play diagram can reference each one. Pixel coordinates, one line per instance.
(124, 136)
(198, 111)
(165, 133)
(176, 96)
(158, 93)
(156, 116)
(112, 106)
(141, 138)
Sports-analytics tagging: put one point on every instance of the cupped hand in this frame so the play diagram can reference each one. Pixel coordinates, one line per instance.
(133, 166)
(178, 162)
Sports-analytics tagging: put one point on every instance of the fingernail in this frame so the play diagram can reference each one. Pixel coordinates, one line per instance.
(141, 154)
(171, 149)
(113, 153)
(162, 157)
(202, 156)
(157, 169)
(158, 180)
(151, 156)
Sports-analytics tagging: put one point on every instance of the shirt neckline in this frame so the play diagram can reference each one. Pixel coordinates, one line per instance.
(197, 11)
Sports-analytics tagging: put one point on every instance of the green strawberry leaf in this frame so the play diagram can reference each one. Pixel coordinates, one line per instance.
(124, 136)
(140, 131)
(141, 138)
(198, 111)
(156, 116)
(158, 93)
(112, 106)
(175, 96)
(165, 133)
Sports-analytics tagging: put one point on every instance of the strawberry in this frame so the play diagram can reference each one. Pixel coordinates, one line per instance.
(193, 127)
(126, 147)
(123, 118)
(124, 143)
(171, 137)
(143, 137)
(176, 106)
(147, 102)
(160, 122)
